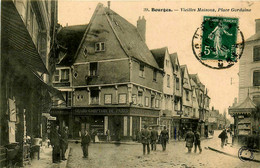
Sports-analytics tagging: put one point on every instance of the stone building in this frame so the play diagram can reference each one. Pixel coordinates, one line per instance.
(113, 81)
(246, 111)
(27, 29)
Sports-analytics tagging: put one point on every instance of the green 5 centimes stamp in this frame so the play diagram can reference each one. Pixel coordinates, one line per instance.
(218, 43)
(219, 38)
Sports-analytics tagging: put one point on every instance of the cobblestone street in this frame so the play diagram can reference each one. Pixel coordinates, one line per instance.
(111, 155)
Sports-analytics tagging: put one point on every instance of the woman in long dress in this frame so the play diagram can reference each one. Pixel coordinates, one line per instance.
(217, 34)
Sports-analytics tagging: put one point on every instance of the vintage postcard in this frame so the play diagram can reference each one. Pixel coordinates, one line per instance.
(130, 84)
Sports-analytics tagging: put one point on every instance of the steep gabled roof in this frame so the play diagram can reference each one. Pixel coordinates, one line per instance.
(68, 39)
(174, 59)
(159, 55)
(183, 69)
(127, 35)
(192, 82)
(195, 78)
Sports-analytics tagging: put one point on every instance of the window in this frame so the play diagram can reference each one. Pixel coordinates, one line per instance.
(256, 78)
(108, 98)
(100, 46)
(256, 53)
(177, 83)
(157, 103)
(93, 68)
(146, 101)
(61, 75)
(122, 99)
(185, 80)
(256, 99)
(69, 99)
(167, 63)
(94, 96)
(154, 74)
(65, 74)
(168, 80)
(152, 101)
(134, 101)
(140, 97)
(85, 52)
(141, 70)
(56, 76)
(187, 95)
(75, 74)
(177, 68)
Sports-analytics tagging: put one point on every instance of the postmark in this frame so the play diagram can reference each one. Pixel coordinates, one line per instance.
(218, 43)
(245, 154)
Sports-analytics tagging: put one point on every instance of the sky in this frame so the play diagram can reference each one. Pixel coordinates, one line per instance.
(175, 30)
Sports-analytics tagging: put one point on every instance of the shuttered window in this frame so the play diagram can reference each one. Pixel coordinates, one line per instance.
(256, 78)
(256, 53)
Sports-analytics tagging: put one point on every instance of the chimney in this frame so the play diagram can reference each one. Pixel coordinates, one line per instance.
(108, 4)
(257, 25)
(141, 26)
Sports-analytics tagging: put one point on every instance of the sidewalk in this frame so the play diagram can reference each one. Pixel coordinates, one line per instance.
(45, 160)
(233, 152)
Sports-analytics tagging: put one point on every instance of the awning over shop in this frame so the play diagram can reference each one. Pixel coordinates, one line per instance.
(54, 92)
(16, 40)
(246, 107)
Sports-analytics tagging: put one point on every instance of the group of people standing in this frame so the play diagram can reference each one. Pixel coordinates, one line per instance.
(59, 142)
(193, 137)
(151, 136)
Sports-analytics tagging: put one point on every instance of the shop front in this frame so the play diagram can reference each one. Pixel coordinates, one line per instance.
(123, 123)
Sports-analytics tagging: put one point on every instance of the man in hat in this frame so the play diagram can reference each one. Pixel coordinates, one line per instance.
(223, 136)
(189, 140)
(55, 142)
(197, 141)
(154, 138)
(64, 142)
(85, 140)
(145, 137)
(164, 138)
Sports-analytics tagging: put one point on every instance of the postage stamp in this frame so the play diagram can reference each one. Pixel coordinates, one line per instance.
(218, 43)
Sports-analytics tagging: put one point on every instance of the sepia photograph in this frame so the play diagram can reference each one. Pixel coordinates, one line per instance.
(124, 84)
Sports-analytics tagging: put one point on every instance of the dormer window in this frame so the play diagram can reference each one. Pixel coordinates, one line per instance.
(100, 46)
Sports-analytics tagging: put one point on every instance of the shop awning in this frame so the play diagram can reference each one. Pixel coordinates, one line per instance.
(53, 91)
(16, 40)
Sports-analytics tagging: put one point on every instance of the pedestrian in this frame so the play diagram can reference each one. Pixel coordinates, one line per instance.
(197, 141)
(145, 138)
(93, 135)
(85, 140)
(55, 142)
(154, 138)
(189, 140)
(64, 142)
(164, 138)
(108, 135)
(223, 136)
